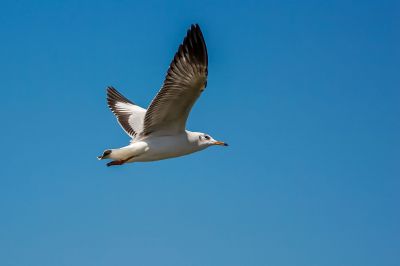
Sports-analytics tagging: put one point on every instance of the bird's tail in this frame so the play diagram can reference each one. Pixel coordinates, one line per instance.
(106, 155)
(116, 154)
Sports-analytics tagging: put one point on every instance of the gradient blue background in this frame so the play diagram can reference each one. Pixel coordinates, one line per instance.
(306, 92)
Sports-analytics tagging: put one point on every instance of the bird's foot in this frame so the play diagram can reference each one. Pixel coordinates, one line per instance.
(117, 162)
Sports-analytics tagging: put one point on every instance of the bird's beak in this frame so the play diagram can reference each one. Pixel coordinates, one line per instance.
(221, 143)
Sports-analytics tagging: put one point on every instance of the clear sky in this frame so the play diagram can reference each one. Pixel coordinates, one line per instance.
(306, 93)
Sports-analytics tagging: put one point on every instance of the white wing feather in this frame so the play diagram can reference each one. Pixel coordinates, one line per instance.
(129, 115)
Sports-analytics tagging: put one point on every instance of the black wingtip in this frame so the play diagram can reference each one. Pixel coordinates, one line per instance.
(195, 45)
(115, 96)
(195, 30)
(110, 89)
(195, 26)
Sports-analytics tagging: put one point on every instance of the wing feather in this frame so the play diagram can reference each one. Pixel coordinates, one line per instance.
(129, 115)
(185, 80)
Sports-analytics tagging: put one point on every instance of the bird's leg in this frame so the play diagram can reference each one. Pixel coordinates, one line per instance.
(119, 162)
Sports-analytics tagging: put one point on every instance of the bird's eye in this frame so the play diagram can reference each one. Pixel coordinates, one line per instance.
(207, 137)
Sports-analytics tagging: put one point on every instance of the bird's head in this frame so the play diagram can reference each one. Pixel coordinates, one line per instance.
(205, 140)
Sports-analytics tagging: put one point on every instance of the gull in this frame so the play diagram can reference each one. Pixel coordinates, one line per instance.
(160, 131)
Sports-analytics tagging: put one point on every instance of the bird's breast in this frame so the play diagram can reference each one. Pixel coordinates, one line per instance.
(167, 147)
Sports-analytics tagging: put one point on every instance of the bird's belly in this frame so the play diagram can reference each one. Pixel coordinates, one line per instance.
(165, 147)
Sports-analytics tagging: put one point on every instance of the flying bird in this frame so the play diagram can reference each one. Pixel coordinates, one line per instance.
(160, 131)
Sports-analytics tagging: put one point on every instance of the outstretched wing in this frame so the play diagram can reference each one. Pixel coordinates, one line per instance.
(185, 80)
(129, 115)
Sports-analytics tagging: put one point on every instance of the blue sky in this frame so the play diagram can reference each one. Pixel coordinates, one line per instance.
(305, 92)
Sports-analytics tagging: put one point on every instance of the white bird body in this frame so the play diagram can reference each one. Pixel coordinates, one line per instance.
(159, 148)
(159, 132)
